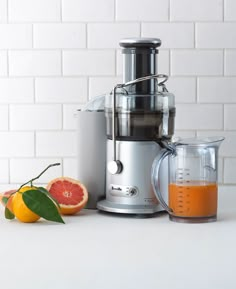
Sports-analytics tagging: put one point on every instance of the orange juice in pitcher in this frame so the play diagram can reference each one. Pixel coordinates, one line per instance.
(194, 199)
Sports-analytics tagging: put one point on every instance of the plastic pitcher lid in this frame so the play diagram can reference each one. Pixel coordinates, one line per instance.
(199, 141)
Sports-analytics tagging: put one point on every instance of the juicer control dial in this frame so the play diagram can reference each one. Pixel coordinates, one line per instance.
(132, 191)
(114, 167)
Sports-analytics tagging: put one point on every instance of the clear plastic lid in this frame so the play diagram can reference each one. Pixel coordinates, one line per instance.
(95, 104)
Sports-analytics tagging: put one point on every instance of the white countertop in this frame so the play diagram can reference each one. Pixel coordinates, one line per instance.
(100, 251)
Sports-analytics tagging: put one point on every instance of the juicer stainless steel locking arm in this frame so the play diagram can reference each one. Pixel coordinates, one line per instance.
(115, 166)
(138, 118)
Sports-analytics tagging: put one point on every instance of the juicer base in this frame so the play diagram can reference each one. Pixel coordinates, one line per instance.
(112, 207)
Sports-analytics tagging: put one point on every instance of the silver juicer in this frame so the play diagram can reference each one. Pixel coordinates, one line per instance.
(140, 115)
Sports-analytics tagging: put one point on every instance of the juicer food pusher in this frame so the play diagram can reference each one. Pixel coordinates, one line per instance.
(138, 118)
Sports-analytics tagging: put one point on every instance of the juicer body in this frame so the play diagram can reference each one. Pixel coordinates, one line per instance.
(139, 116)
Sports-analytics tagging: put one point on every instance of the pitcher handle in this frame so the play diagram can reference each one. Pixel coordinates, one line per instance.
(169, 150)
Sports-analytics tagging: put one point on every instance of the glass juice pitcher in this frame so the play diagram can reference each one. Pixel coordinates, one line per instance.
(193, 167)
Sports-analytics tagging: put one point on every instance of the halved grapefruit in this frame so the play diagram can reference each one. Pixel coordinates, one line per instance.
(71, 195)
(8, 195)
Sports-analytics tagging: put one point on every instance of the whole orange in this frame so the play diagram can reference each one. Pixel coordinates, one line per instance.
(20, 210)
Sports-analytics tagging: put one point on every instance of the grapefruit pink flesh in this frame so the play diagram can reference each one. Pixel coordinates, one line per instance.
(69, 193)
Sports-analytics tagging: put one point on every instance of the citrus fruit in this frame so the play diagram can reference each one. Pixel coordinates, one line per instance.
(9, 195)
(20, 210)
(71, 195)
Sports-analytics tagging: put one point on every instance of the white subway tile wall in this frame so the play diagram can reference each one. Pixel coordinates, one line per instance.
(4, 117)
(229, 173)
(199, 116)
(17, 144)
(89, 11)
(230, 117)
(25, 169)
(173, 35)
(113, 32)
(61, 89)
(230, 62)
(142, 10)
(16, 90)
(88, 62)
(184, 89)
(216, 35)
(35, 117)
(70, 167)
(200, 10)
(56, 55)
(100, 85)
(3, 63)
(56, 144)
(69, 116)
(216, 89)
(3, 11)
(15, 36)
(59, 36)
(4, 171)
(34, 62)
(34, 10)
(197, 62)
(229, 10)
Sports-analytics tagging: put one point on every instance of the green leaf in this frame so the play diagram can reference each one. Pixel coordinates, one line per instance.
(5, 200)
(8, 214)
(43, 190)
(46, 192)
(42, 205)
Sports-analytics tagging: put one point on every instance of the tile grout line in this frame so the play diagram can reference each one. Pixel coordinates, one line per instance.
(7, 11)
(88, 88)
(61, 57)
(223, 10)
(35, 146)
(114, 11)
(223, 169)
(86, 36)
(169, 7)
(61, 11)
(197, 90)
(34, 90)
(9, 170)
(223, 116)
(224, 65)
(61, 51)
(62, 116)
